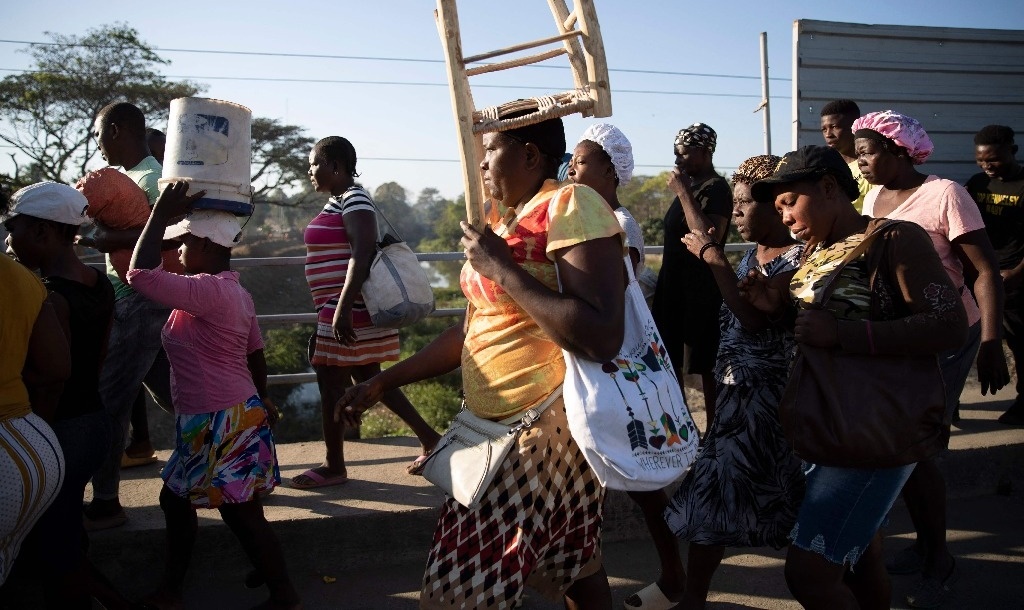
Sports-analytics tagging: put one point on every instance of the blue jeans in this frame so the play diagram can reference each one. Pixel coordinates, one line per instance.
(844, 507)
(133, 358)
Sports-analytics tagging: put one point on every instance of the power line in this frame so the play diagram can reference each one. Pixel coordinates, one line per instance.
(377, 58)
(423, 160)
(419, 84)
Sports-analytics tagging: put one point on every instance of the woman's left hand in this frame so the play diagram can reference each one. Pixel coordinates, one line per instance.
(992, 370)
(487, 252)
(695, 240)
(679, 181)
(175, 201)
(344, 331)
(273, 414)
(816, 327)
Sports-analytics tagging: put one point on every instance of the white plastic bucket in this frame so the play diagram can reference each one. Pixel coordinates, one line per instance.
(209, 145)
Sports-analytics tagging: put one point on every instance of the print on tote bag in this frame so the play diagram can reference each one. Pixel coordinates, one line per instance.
(628, 415)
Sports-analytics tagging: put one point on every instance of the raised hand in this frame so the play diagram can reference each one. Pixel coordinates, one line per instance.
(487, 252)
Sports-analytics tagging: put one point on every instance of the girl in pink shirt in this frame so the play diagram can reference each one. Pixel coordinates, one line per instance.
(224, 454)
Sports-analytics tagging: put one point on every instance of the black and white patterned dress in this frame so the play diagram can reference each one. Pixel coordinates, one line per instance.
(745, 485)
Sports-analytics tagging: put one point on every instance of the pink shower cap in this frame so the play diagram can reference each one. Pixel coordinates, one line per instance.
(905, 131)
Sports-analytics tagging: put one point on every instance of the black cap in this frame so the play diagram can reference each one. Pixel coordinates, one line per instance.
(806, 164)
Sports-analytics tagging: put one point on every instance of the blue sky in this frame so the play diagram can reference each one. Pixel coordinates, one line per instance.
(395, 121)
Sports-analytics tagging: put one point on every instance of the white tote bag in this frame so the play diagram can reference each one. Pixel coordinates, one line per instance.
(628, 415)
(396, 292)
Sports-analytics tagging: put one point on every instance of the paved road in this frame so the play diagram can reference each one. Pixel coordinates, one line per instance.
(988, 540)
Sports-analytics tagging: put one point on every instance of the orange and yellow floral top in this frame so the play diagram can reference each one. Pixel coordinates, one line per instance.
(508, 363)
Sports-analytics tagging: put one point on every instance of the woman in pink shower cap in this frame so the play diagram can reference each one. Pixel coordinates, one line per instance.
(899, 129)
(889, 146)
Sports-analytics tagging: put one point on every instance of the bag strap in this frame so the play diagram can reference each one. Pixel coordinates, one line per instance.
(854, 254)
(530, 416)
(382, 239)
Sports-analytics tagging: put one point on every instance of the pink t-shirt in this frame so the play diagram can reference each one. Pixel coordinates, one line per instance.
(946, 211)
(208, 337)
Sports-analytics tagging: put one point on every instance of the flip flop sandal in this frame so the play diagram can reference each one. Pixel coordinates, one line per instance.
(128, 461)
(417, 465)
(318, 480)
(649, 598)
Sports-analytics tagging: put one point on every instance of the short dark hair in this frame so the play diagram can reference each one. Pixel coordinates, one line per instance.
(152, 131)
(126, 116)
(994, 135)
(547, 135)
(842, 107)
(337, 148)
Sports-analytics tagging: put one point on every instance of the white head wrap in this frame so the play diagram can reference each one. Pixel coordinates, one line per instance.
(613, 142)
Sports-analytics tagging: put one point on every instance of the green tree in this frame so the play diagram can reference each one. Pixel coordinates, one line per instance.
(390, 197)
(48, 112)
(280, 160)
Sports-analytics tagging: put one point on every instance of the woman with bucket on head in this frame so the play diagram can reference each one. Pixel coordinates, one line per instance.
(224, 455)
(346, 348)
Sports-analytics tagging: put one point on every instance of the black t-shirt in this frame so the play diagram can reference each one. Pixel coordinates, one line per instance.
(91, 310)
(1002, 208)
(715, 199)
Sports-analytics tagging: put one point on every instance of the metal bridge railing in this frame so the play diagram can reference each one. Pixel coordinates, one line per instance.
(310, 317)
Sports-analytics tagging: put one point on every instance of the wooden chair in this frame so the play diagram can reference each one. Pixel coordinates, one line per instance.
(590, 97)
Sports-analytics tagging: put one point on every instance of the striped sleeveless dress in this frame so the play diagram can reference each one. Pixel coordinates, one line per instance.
(327, 254)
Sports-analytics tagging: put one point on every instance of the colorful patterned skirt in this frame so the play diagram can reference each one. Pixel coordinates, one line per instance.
(539, 525)
(227, 456)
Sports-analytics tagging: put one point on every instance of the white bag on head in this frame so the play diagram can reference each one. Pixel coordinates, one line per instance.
(628, 415)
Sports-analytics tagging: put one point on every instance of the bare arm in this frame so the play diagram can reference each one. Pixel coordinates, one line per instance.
(440, 356)
(361, 228)
(975, 251)
(174, 201)
(696, 219)
(586, 317)
(748, 315)
(48, 363)
(257, 364)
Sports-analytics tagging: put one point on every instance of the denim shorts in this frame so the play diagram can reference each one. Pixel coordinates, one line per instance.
(844, 507)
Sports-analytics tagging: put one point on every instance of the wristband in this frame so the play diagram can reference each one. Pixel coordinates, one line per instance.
(705, 247)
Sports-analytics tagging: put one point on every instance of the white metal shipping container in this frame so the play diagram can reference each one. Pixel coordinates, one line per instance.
(954, 80)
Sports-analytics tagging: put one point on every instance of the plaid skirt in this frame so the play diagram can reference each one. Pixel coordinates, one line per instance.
(539, 525)
(227, 456)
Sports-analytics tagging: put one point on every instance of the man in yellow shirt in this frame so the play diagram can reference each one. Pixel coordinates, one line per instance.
(836, 119)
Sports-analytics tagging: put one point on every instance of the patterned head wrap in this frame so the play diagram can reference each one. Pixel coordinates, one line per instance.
(900, 129)
(699, 135)
(614, 143)
(756, 168)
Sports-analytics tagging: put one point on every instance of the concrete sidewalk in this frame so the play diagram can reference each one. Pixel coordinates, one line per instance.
(372, 533)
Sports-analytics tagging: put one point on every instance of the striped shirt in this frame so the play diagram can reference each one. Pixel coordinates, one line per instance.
(328, 252)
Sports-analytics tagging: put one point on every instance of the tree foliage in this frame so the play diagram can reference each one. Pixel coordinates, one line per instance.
(48, 112)
(280, 160)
